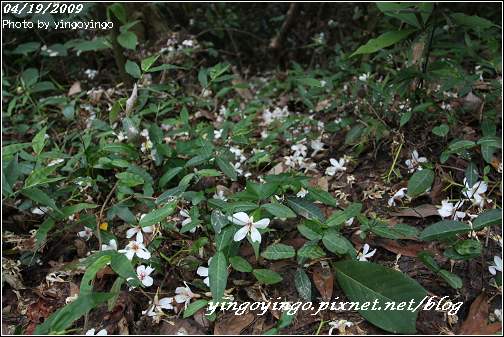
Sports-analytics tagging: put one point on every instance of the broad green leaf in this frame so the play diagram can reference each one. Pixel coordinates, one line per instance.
(132, 68)
(405, 117)
(278, 210)
(267, 276)
(305, 208)
(86, 286)
(40, 197)
(240, 264)
(420, 182)
(487, 218)
(218, 274)
(395, 232)
(262, 191)
(383, 41)
(303, 284)
(63, 318)
(130, 179)
(128, 40)
(441, 130)
(169, 175)
(278, 251)
(443, 229)
(218, 220)
(453, 280)
(471, 174)
(336, 243)
(473, 21)
(322, 196)
(311, 250)
(157, 215)
(148, 62)
(38, 142)
(194, 307)
(366, 282)
(226, 168)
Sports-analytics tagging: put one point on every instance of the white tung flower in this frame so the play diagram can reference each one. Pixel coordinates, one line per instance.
(203, 272)
(187, 220)
(218, 134)
(341, 325)
(136, 248)
(414, 163)
(475, 192)
(156, 307)
(143, 274)
(317, 146)
(40, 210)
(336, 166)
(220, 195)
(299, 150)
(112, 245)
(249, 226)
(397, 196)
(364, 77)
(138, 231)
(56, 162)
(496, 267)
(86, 234)
(91, 332)
(302, 193)
(366, 254)
(448, 210)
(184, 295)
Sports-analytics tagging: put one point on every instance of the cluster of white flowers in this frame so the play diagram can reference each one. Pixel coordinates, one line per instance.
(50, 52)
(449, 210)
(183, 295)
(340, 325)
(91, 73)
(475, 193)
(415, 161)
(147, 144)
(277, 113)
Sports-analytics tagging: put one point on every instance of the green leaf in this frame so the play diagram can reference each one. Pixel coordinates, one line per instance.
(383, 41)
(405, 117)
(40, 197)
(487, 218)
(262, 191)
(267, 276)
(311, 250)
(26, 48)
(305, 208)
(130, 179)
(453, 280)
(226, 168)
(217, 273)
(278, 251)
(468, 247)
(29, 77)
(218, 220)
(148, 62)
(366, 282)
(194, 307)
(278, 210)
(336, 243)
(420, 182)
(38, 141)
(203, 77)
(395, 232)
(128, 40)
(322, 196)
(443, 229)
(62, 319)
(157, 215)
(303, 284)
(133, 69)
(441, 130)
(169, 175)
(308, 81)
(473, 21)
(86, 286)
(42, 232)
(240, 264)
(471, 174)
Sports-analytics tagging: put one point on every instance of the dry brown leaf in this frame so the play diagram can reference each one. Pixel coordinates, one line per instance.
(476, 322)
(74, 89)
(233, 324)
(421, 211)
(323, 279)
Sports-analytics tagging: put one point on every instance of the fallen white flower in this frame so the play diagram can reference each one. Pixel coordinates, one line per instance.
(249, 226)
(136, 248)
(366, 254)
(336, 166)
(496, 267)
(397, 196)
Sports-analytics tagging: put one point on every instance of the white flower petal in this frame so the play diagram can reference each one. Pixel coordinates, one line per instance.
(241, 233)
